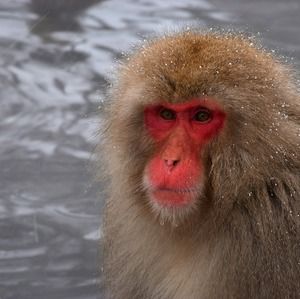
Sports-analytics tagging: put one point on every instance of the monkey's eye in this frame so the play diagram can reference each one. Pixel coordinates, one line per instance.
(202, 115)
(167, 114)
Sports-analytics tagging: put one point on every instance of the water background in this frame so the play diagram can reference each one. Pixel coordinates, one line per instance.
(56, 57)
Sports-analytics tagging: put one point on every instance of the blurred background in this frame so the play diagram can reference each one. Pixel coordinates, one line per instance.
(56, 59)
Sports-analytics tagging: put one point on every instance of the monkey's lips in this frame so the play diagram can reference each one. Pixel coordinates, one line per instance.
(174, 196)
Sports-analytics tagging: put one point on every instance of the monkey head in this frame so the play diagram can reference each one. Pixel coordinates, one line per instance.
(201, 118)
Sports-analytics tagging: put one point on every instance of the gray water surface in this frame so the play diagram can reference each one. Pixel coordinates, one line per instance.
(56, 57)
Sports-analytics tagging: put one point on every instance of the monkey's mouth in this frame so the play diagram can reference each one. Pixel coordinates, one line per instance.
(174, 196)
(180, 191)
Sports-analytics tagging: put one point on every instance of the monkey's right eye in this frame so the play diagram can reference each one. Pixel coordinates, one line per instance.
(167, 114)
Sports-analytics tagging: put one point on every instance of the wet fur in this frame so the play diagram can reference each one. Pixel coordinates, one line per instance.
(243, 240)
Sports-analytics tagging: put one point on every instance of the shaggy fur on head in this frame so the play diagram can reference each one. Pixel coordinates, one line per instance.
(243, 239)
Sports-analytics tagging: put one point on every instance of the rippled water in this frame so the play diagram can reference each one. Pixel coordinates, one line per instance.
(55, 59)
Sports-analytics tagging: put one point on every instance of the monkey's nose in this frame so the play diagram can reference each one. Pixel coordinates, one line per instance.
(170, 163)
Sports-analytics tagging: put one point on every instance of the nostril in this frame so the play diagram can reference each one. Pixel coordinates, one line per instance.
(175, 162)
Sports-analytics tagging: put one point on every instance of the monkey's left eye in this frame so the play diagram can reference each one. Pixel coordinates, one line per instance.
(203, 115)
(167, 114)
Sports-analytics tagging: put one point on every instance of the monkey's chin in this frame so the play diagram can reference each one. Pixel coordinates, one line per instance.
(171, 205)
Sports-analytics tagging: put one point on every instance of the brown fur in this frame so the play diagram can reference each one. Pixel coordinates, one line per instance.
(245, 241)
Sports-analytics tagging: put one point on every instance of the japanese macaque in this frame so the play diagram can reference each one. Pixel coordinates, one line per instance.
(202, 150)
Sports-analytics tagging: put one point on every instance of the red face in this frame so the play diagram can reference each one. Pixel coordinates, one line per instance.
(174, 175)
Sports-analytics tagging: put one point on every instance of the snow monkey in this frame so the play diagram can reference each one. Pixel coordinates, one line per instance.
(202, 149)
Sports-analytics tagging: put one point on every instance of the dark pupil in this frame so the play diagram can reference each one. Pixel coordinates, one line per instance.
(167, 114)
(202, 115)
